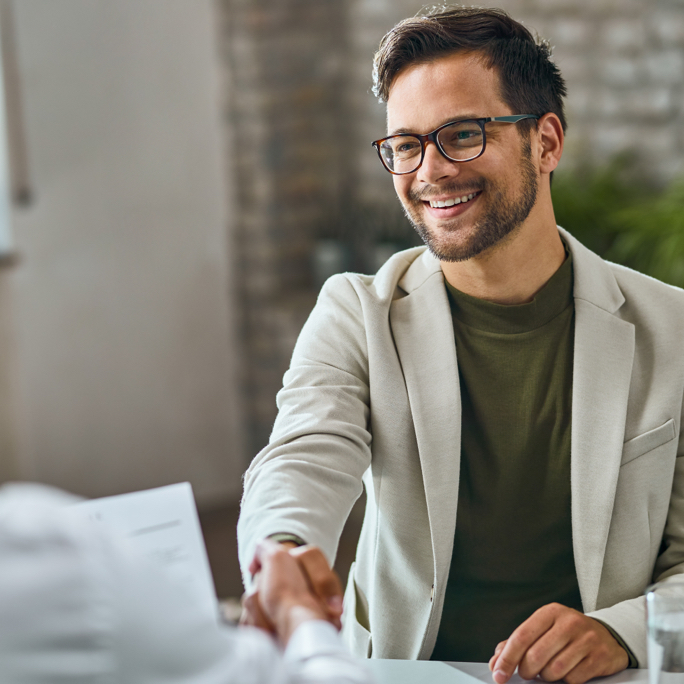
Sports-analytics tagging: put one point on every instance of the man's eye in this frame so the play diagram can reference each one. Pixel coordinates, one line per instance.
(406, 148)
(460, 137)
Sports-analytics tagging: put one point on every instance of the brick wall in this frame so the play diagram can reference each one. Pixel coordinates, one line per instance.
(301, 117)
(285, 71)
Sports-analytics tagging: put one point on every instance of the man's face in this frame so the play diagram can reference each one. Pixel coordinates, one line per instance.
(500, 187)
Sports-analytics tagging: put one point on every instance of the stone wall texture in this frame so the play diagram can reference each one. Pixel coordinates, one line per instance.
(285, 62)
(300, 117)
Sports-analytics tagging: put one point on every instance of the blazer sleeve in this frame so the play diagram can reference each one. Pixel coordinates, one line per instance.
(628, 618)
(305, 482)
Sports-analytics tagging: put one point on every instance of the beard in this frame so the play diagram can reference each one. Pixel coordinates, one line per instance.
(501, 218)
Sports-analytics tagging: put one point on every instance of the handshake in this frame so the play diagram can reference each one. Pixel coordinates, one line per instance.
(291, 585)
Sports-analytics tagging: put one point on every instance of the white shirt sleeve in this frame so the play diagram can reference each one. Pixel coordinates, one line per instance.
(316, 654)
(78, 605)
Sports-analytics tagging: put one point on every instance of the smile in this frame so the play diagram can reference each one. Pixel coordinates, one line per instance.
(438, 204)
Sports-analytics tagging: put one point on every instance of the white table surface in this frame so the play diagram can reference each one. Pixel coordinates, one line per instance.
(428, 672)
(481, 671)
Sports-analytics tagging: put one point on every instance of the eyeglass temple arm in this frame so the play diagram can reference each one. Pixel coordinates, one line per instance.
(513, 119)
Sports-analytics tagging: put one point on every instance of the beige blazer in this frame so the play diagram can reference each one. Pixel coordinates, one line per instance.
(373, 393)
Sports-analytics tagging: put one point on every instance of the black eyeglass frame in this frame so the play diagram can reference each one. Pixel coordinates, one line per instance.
(432, 137)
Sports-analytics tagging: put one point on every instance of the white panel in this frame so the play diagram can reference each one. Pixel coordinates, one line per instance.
(6, 241)
(122, 297)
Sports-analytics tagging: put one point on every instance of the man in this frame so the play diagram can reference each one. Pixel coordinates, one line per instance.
(77, 606)
(511, 402)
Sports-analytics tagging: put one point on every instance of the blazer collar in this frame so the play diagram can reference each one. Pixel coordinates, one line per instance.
(594, 280)
(423, 265)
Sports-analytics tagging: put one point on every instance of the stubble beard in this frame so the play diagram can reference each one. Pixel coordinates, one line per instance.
(501, 218)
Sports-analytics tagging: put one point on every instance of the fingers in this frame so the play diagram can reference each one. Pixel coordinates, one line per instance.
(557, 643)
(520, 641)
(301, 574)
(495, 657)
(271, 582)
(255, 565)
(565, 661)
(323, 580)
(593, 665)
(549, 654)
(602, 654)
(264, 549)
(252, 613)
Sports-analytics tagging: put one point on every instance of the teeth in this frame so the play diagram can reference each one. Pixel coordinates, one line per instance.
(452, 202)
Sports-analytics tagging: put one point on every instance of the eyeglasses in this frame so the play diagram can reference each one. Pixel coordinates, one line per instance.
(458, 141)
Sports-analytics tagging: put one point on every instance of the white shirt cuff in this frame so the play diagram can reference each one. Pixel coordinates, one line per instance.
(314, 638)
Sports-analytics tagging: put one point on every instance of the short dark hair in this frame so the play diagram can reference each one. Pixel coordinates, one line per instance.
(530, 82)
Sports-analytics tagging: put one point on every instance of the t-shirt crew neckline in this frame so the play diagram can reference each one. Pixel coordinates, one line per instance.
(549, 302)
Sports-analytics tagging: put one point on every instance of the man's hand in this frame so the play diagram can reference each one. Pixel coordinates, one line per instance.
(252, 614)
(555, 643)
(322, 584)
(284, 597)
(323, 580)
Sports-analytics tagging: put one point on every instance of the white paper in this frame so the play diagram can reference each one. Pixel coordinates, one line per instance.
(162, 524)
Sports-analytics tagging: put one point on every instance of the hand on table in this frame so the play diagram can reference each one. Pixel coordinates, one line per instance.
(291, 584)
(557, 642)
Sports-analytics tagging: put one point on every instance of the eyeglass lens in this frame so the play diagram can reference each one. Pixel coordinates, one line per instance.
(460, 141)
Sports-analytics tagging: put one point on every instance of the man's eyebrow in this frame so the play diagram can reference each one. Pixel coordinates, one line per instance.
(463, 117)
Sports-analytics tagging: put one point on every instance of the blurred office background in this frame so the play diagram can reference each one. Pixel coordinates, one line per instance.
(181, 176)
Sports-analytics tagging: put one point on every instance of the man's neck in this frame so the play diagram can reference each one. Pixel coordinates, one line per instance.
(513, 272)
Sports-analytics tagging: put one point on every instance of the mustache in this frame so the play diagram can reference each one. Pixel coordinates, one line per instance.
(430, 191)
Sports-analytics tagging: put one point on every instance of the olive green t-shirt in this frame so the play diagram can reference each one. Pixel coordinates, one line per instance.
(513, 541)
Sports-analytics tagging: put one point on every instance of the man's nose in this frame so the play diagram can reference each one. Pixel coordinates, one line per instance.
(436, 167)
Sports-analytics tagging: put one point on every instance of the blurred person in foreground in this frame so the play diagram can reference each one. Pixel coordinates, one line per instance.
(77, 606)
(511, 402)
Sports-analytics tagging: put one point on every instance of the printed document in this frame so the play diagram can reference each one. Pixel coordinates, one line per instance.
(162, 524)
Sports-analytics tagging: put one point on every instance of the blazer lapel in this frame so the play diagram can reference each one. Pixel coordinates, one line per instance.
(602, 370)
(603, 358)
(424, 337)
(604, 352)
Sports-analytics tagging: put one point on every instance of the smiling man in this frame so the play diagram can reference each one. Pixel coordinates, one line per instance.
(511, 402)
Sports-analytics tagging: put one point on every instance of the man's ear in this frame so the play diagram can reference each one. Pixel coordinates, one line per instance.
(550, 137)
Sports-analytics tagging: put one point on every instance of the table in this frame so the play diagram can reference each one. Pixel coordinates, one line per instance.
(428, 672)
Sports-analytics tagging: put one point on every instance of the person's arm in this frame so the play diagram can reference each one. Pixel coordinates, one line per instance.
(162, 638)
(316, 655)
(299, 619)
(305, 482)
